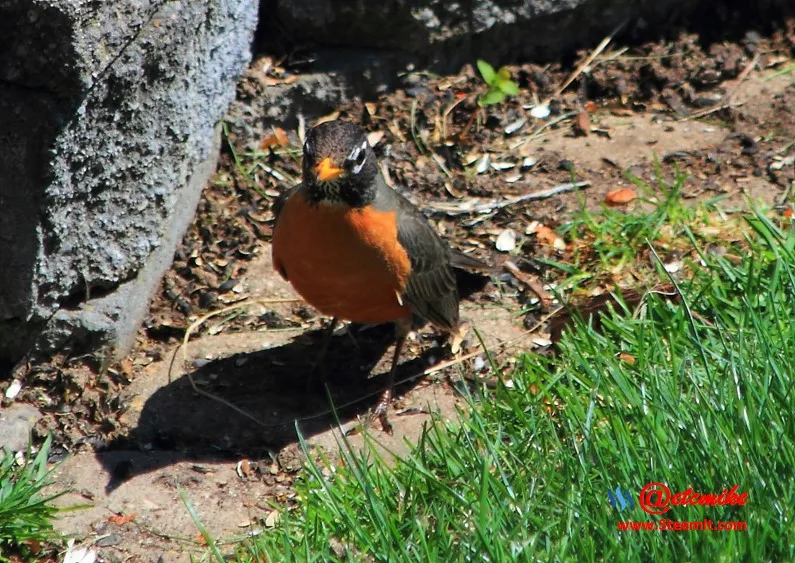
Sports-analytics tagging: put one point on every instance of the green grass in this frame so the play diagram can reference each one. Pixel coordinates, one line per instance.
(26, 514)
(612, 239)
(523, 475)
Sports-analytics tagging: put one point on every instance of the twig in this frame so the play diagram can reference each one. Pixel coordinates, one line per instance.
(324, 412)
(488, 207)
(726, 101)
(447, 111)
(742, 76)
(503, 345)
(197, 323)
(583, 65)
(537, 132)
(440, 162)
(531, 284)
(708, 111)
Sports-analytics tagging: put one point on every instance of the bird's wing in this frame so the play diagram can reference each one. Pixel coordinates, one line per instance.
(278, 204)
(431, 287)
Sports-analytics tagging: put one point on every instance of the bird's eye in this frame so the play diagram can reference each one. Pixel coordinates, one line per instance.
(356, 158)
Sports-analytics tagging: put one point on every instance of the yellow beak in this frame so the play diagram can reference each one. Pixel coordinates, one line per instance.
(326, 171)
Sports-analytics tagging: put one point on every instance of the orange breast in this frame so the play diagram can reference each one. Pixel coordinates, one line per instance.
(345, 262)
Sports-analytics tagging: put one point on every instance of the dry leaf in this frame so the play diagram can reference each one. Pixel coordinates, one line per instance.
(13, 389)
(540, 111)
(272, 519)
(582, 123)
(244, 469)
(546, 235)
(126, 366)
(673, 266)
(709, 231)
(622, 112)
(590, 106)
(515, 126)
(330, 117)
(277, 138)
(79, 554)
(374, 137)
(483, 164)
(620, 196)
(370, 107)
(628, 358)
(506, 241)
(34, 546)
(540, 341)
(121, 519)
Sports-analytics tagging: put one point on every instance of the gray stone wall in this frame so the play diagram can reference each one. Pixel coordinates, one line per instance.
(108, 116)
(359, 48)
(446, 33)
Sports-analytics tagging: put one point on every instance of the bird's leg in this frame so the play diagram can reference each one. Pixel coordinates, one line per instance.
(319, 369)
(402, 330)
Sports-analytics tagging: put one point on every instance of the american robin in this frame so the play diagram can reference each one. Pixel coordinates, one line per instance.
(355, 249)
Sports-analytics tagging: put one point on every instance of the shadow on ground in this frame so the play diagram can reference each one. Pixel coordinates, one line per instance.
(279, 387)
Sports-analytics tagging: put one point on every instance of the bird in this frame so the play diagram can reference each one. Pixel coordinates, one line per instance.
(357, 250)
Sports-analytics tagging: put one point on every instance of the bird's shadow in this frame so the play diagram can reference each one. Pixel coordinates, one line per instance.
(277, 386)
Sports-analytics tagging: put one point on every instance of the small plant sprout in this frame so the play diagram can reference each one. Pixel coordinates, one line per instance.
(499, 84)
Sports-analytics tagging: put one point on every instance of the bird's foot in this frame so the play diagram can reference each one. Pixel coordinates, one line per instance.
(317, 376)
(380, 412)
(459, 338)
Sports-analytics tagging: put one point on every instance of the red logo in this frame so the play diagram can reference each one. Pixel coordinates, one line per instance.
(656, 498)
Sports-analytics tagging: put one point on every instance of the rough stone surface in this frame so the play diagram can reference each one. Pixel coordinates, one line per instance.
(108, 116)
(414, 25)
(16, 422)
(447, 33)
(359, 48)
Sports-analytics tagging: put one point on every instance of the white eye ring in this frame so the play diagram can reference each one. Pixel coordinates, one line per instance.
(354, 156)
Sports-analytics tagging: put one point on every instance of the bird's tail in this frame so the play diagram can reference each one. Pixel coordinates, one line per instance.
(466, 262)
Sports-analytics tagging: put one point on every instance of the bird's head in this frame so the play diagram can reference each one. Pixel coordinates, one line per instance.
(339, 165)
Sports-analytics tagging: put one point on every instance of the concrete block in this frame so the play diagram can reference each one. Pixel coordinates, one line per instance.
(108, 132)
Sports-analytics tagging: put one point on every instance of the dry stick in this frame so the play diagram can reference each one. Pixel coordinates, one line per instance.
(193, 326)
(487, 207)
(535, 134)
(572, 77)
(533, 285)
(440, 162)
(583, 65)
(447, 111)
(725, 102)
(438, 367)
(708, 111)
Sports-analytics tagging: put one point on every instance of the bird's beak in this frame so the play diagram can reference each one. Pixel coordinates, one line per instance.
(325, 171)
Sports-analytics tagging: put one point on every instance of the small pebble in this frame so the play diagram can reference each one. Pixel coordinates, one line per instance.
(506, 241)
(13, 389)
(540, 111)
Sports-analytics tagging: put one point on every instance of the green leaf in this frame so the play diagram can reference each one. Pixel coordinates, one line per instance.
(509, 87)
(494, 96)
(486, 71)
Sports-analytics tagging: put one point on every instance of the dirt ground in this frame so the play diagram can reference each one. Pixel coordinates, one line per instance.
(133, 435)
